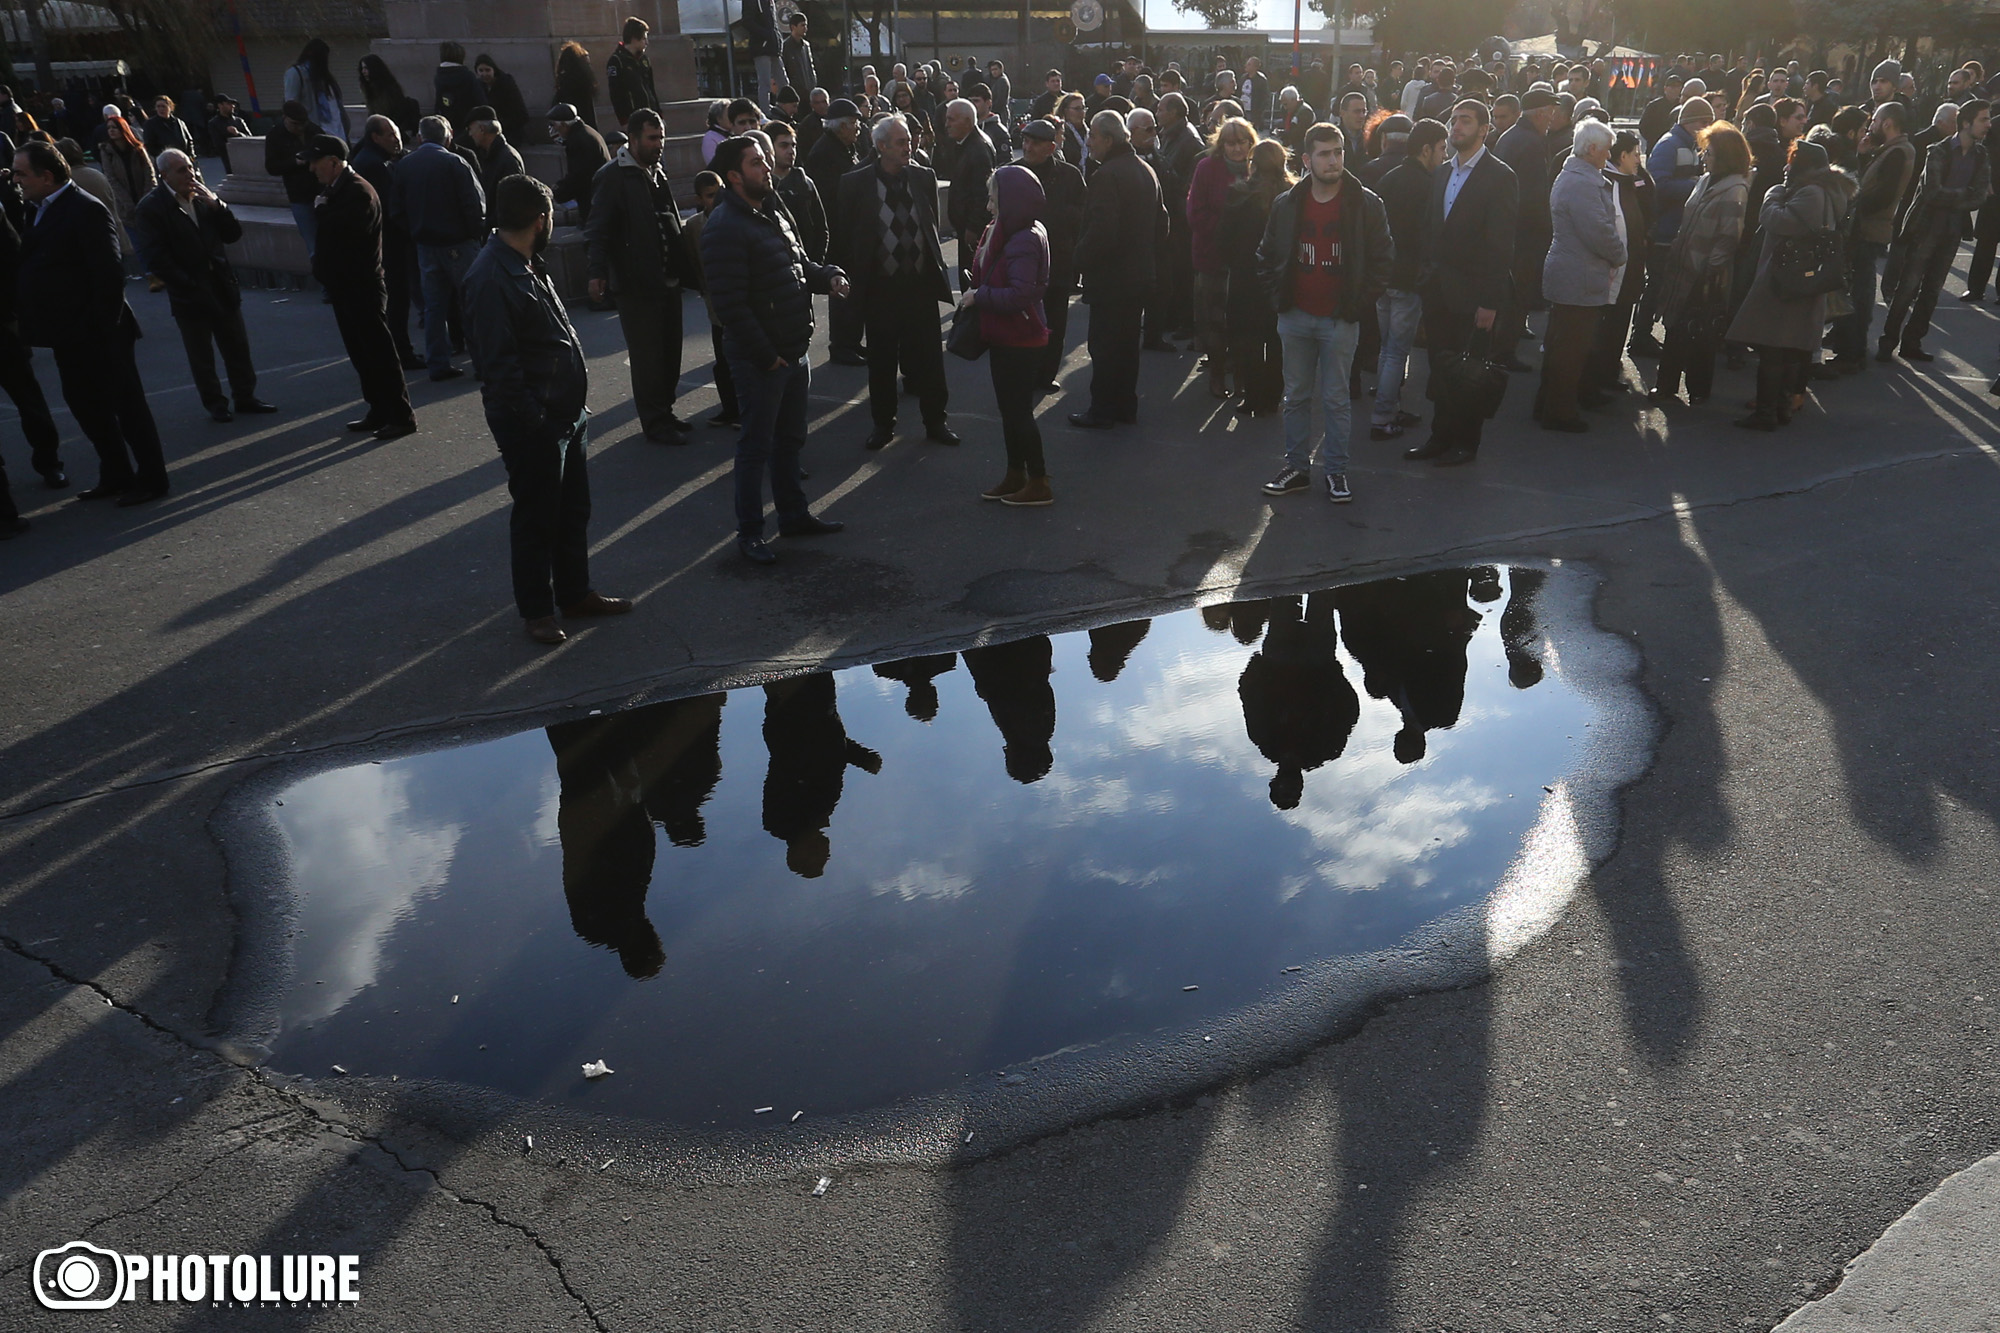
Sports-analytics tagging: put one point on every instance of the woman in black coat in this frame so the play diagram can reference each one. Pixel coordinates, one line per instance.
(503, 94)
(1253, 321)
(382, 93)
(576, 82)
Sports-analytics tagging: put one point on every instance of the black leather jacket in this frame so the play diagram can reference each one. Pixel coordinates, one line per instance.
(532, 378)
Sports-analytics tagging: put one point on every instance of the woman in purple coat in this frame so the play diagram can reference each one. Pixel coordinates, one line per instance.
(1011, 269)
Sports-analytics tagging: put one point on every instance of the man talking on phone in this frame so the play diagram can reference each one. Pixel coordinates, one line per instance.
(181, 229)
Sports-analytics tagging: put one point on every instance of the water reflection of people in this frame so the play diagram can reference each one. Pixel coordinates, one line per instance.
(1410, 636)
(1111, 647)
(1013, 679)
(1518, 628)
(1242, 620)
(1297, 704)
(618, 774)
(810, 751)
(918, 673)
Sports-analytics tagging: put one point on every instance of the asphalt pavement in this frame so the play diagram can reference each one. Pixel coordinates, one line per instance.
(1762, 1034)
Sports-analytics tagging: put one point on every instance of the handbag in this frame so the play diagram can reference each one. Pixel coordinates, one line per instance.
(1471, 381)
(966, 339)
(1807, 266)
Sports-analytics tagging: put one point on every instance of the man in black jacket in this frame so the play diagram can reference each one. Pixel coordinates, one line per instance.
(628, 75)
(971, 158)
(1116, 254)
(797, 56)
(832, 157)
(533, 382)
(180, 228)
(498, 159)
(636, 249)
(760, 24)
(225, 125)
(760, 286)
(17, 368)
(1525, 148)
(1180, 148)
(438, 198)
(1406, 197)
(584, 154)
(348, 265)
(1325, 256)
(457, 89)
(800, 195)
(283, 143)
(374, 160)
(1062, 215)
(887, 244)
(1468, 257)
(70, 296)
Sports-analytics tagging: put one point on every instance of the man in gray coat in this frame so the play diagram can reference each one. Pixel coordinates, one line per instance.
(440, 204)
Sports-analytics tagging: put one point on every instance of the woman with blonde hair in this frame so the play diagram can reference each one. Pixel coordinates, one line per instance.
(1226, 162)
(1252, 319)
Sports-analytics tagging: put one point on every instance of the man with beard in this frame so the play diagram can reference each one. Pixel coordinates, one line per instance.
(635, 244)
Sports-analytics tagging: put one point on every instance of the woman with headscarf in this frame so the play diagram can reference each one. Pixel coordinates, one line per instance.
(576, 82)
(1582, 273)
(1812, 201)
(1696, 284)
(382, 93)
(1010, 274)
(1226, 162)
(503, 94)
(311, 82)
(1252, 319)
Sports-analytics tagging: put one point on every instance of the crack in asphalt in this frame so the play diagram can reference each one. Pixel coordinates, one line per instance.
(318, 1117)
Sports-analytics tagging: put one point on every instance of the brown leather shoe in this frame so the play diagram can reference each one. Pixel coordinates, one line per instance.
(1035, 492)
(597, 604)
(1015, 479)
(543, 629)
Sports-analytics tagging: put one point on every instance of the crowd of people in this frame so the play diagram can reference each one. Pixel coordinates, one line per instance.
(1437, 207)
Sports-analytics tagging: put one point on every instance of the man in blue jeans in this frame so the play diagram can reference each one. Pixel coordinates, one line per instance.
(439, 202)
(760, 286)
(1326, 255)
(1406, 196)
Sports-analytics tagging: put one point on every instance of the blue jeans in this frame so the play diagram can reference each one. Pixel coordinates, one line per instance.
(1319, 352)
(442, 268)
(1398, 313)
(308, 219)
(773, 403)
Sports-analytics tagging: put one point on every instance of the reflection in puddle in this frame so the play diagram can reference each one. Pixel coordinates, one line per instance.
(839, 890)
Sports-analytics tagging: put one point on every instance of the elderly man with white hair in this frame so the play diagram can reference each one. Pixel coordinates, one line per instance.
(1586, 257)
(181, 229)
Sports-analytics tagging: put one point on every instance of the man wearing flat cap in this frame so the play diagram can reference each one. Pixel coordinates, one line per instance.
(347, 263)
(831, 157)
(1525, 148)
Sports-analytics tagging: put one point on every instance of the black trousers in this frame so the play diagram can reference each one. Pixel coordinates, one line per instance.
(548, 526)
(1525, 292)
(204, 331)
(1017, 375)
(100, 382)
(1985, 240)
(1115, 331)
(843, 328)
(399, 276)
(17, 378)
(1606, 365)
(652, 326)
(1055, 310)
(1926, 264)
(1687, 356)
(901, 320)
(1446, 333)
(364, 331)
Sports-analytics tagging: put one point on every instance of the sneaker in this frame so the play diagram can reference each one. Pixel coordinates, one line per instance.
(1289, 482)
(1337, 488)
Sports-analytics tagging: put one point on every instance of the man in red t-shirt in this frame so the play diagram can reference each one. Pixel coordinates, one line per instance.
(1326, 255)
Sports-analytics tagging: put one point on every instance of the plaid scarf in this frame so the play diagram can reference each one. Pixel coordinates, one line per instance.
(899, 225)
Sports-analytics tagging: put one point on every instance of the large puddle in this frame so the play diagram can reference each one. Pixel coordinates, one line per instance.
(844, 890)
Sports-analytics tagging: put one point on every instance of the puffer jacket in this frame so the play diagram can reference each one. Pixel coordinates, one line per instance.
(1676, 165)
(1587, 247)
(1014, 274)
(759, 281)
